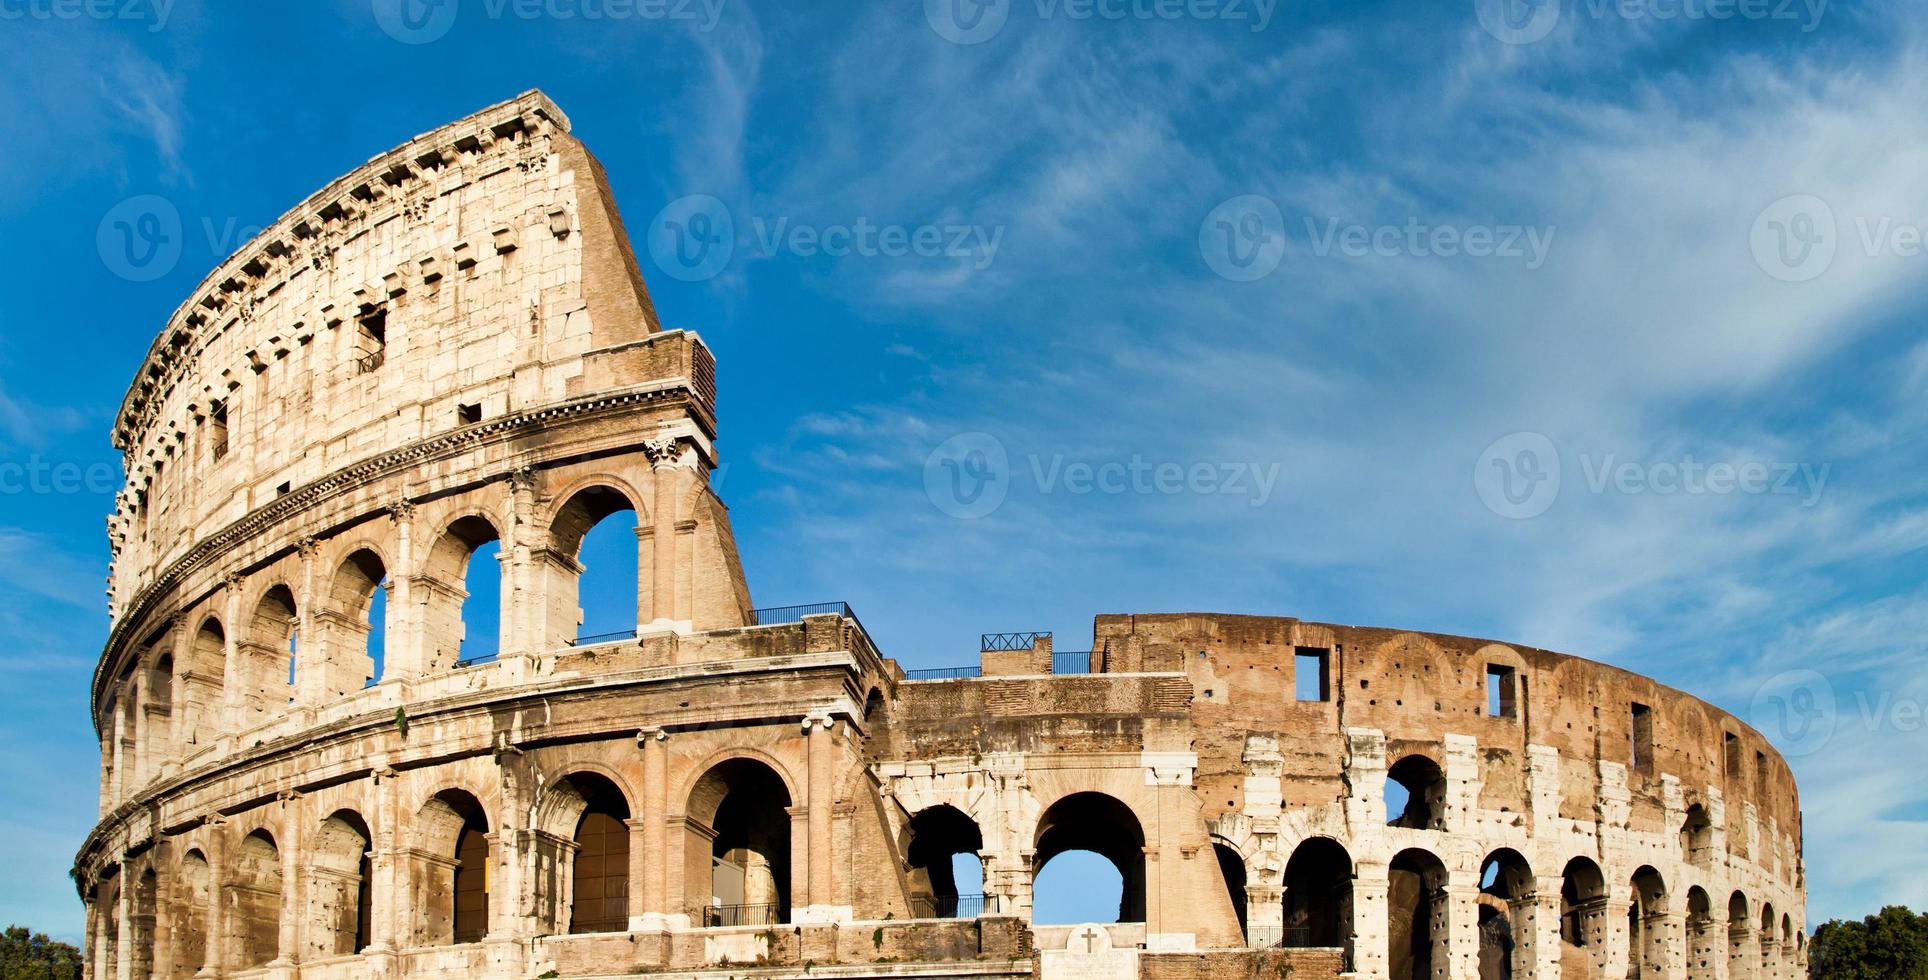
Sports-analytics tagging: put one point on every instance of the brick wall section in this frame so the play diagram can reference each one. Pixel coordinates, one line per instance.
(1263, 964)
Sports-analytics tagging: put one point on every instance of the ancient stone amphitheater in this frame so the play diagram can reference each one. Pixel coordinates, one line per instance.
(451, 349)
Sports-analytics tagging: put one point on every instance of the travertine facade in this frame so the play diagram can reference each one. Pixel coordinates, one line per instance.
(452, 347)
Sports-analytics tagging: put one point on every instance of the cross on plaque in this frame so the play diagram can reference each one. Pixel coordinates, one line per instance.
(1090, 937)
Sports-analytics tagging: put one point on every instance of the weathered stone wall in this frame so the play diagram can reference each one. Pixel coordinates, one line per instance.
(715, 790)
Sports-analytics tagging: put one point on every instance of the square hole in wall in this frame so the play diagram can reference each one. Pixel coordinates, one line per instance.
(1502, 691)
(1311, 674)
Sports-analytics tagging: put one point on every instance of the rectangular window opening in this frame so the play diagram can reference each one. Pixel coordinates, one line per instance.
(1760, 774)
(218, 430)
(1643, 738)
(1312, 674)
(1502, 691)
(371, 338)
(468, 414)
(1732, 744)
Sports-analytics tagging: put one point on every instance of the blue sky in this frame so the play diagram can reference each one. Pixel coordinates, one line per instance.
(1366, 275)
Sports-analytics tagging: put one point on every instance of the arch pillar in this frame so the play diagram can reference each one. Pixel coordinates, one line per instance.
(1264, 915)
(649, 903)
(1462, 925)
(1371, 949)
(1546, 925)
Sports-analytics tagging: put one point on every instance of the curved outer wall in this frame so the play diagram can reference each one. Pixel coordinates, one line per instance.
(451, 347)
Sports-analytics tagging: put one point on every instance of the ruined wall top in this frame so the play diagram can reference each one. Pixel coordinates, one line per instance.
(467, 275)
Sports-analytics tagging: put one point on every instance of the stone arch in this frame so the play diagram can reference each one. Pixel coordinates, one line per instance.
(1697, 837)
(1423, 783)
(1768, 937)
(106, 937)
(269, 653)
(1583, 914)
(157, 706)
(1231, 868)
(1508, 916)
(738, 822)
(145, 901)
(254, 901)
(586, 507)
(202, 676)
(449, 569)
(340, 887)
(348, 633)
(931, 839)
(450, 880)
(1418, 924)
(1101, 824)
(1318, 903)
(584, 825)
(1741, 959)
(188, 932)
(1649, 933)
(1704, 943)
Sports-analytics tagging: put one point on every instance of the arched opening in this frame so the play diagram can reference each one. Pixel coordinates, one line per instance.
(127, 742)
(1770, 948)
(1741, 957)
(1647, 936)
(269, 656)
(106, 937)
(1697, 837)
(157, 713)
(1231, 869)
(140, 922)
(873, 706)
(599, 864)
(595, 591)
(1506, 909)
(1417, 917)
(1318, 895)
(451, 865)
(340, 887)
(462, 604)
(354, 624)
(201, 682)
(1790, 950)
(1704, 952)
(1095, 824)
(255, 901)
(942, 838)
(1416, 794)
(189, 928)
(1583, 913)
(740, 832)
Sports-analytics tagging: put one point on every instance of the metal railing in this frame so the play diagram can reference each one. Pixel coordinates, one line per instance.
(739, 915)
(988, 642)
(594, 638)
(476, 660)
(943, 673)
(953, 906)
(1071, 662)
(794, 614)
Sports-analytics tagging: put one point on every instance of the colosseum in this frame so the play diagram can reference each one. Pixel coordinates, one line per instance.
(449, 352)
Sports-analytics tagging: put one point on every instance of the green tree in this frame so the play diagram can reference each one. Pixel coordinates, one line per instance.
(32, 956)
(1889, 945)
